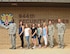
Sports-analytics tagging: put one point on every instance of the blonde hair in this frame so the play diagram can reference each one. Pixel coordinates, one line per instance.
(44, 23)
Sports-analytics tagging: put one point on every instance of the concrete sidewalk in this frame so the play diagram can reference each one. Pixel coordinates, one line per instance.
(35, 51)
(42, 50)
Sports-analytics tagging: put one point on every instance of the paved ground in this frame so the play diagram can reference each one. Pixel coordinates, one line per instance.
(35, 51)
(42, 50)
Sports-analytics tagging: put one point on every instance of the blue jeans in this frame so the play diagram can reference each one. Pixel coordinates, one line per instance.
(39, 40)
(27, 39)
(34, 37)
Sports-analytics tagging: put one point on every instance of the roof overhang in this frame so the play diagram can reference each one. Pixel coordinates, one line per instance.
(34, 4)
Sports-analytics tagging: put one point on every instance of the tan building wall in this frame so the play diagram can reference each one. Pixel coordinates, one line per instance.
(39, 14)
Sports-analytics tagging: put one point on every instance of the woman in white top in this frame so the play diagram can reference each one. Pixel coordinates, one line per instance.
(27, 35)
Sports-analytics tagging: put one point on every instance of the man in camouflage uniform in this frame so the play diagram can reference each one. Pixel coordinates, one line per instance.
(61, 30)
(51, 34)
(12, 33)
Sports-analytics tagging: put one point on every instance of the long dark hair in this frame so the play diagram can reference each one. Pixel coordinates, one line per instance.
(19, 23)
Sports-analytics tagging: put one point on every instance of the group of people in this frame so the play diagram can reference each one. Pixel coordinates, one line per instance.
(45, 31)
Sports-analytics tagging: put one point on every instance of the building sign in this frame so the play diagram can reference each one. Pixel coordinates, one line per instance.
(6, 19)
(32, 18)
(27, 15)
(63, 20)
